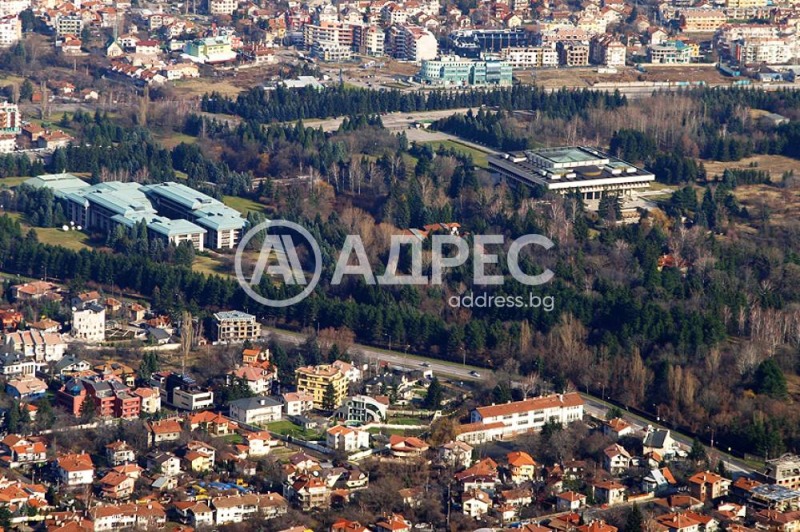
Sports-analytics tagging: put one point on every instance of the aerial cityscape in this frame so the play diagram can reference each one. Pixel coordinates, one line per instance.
(400, 265)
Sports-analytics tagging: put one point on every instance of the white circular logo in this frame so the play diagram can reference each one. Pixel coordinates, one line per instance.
(282, 249)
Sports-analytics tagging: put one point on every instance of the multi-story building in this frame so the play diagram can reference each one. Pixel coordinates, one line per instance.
(530, 57)
(41, 346)
(783, 471)
(573, 169)
(346, 439)
(297, 403)
(411, 43)
(331, 52)
(706, 486)
(111, 398)
(452, 70)
(14, 364)
(69, 25)
(745, 4)
(13, 7)
(10, 30)
(89, 323)
(606, 50)
(573, 54)
(363, 409)
(562, 34)
(210, 50)
(317, 380)
(473, 43)
(769, 51)
(75, 469)
(328, 32)
(498, 421)
(669, 52)
(10, 126)
(222, 7)
(369, 40)
(235, 326)
(183, 392)
(701, 20)
(256, 410)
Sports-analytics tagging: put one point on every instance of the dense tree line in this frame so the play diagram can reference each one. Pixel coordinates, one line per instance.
(632, 145)
(484, 127)
(284, 104)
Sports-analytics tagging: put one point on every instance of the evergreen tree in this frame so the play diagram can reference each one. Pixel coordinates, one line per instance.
(434, 395)
(13, 418)
(329, 398)
(635, 520)
(698, 451)
(770, 380)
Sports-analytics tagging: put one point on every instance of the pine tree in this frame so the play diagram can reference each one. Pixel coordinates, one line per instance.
(13, 418)
(635, 520)
(329, 398)
(433, 397)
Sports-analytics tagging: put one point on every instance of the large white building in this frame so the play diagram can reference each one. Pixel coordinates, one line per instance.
(573, 169)
(363, 409)
(411, 43)
(770, 51)
(222, 7)
(41, 346)
(346, 439)
(511, 419)
(89, 323)
(10, 30)
(530, 57)
(13, 7)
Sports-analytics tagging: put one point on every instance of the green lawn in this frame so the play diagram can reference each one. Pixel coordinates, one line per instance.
(210, 266)
(479, 158)
(287, 428)
(170, 140)
(243, 205)
(403, 420)
(12, 181)
(74, 240)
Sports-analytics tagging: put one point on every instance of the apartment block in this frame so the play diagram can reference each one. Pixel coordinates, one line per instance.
(315, 380)
(411, 43)
(10, 30)
(235, 326)
(530, 57)
(573, 54)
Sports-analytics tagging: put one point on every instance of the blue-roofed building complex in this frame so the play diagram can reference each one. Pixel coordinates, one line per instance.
(171, 211)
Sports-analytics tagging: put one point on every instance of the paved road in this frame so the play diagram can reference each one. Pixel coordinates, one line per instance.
(374, 355)
(390, 120)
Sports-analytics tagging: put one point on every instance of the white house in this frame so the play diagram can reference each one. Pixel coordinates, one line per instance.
(75, 469)
(616, 459)
(41, 346)
(569, 501)
(89, 324)
(346, 439)
(256, 410)
(297, 403)
(350, 371)
(476, 503)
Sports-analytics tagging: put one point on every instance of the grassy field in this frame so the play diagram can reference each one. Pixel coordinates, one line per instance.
(243, 205)
(211, 266)
(74, 240)
(287, 428)
(170, 140)
(12, 181)
(404, 420)
(776, 165)
(479, 157)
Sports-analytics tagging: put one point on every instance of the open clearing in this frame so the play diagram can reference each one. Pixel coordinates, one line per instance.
(212, 266)
(776, 165)
(478, 157)
(783, 204)
(243, 205)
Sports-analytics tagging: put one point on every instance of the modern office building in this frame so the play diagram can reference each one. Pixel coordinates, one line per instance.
(472, 43)
(455, 71)
(586, 171)
(235, 327)
(171, 211)
(315, 381)
(669, 52)
(210, 50)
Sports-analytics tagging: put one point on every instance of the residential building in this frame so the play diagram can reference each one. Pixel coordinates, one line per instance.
(71, 24)
(211, 51)
(608, 51)
(14, 363)
(617, 428)
(116, 486)
(346, 439)
(145, 516)
(393, 523)
(608, 492)
(454, 71)
(222, 7)
(701, 20)
(183, 392)
(111, 397)
(26, 388)
(19, 451)
(769, 51)
(474, 42)
(256, 410)
(13, 7)
(258, 443)
(150, 399)
(9, 124)
(784, 471)
(297, 403)
(317, 380)
(89, 323)
(678, 522)
(331, 33)
(573, 54)
(510, 419)
(309, 492)
(530, 57)
(166, 463)
(369, 40)
(163, 430)
(119, 452)
(411, 43)
(566, 170)
(570, 501)
(351, 371)
(669, 52)
(659, 441)
(521, 466)
(456, 453)
(41, 346)
(240, 508)
(331, 52)
(211, 423)
(407, 447)
(476, 503)
(706, 486)
(658, 481)
(75, 469)
(616, 459)
(10, 30)
(235, 326)
(363, 409)
(258, 378)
